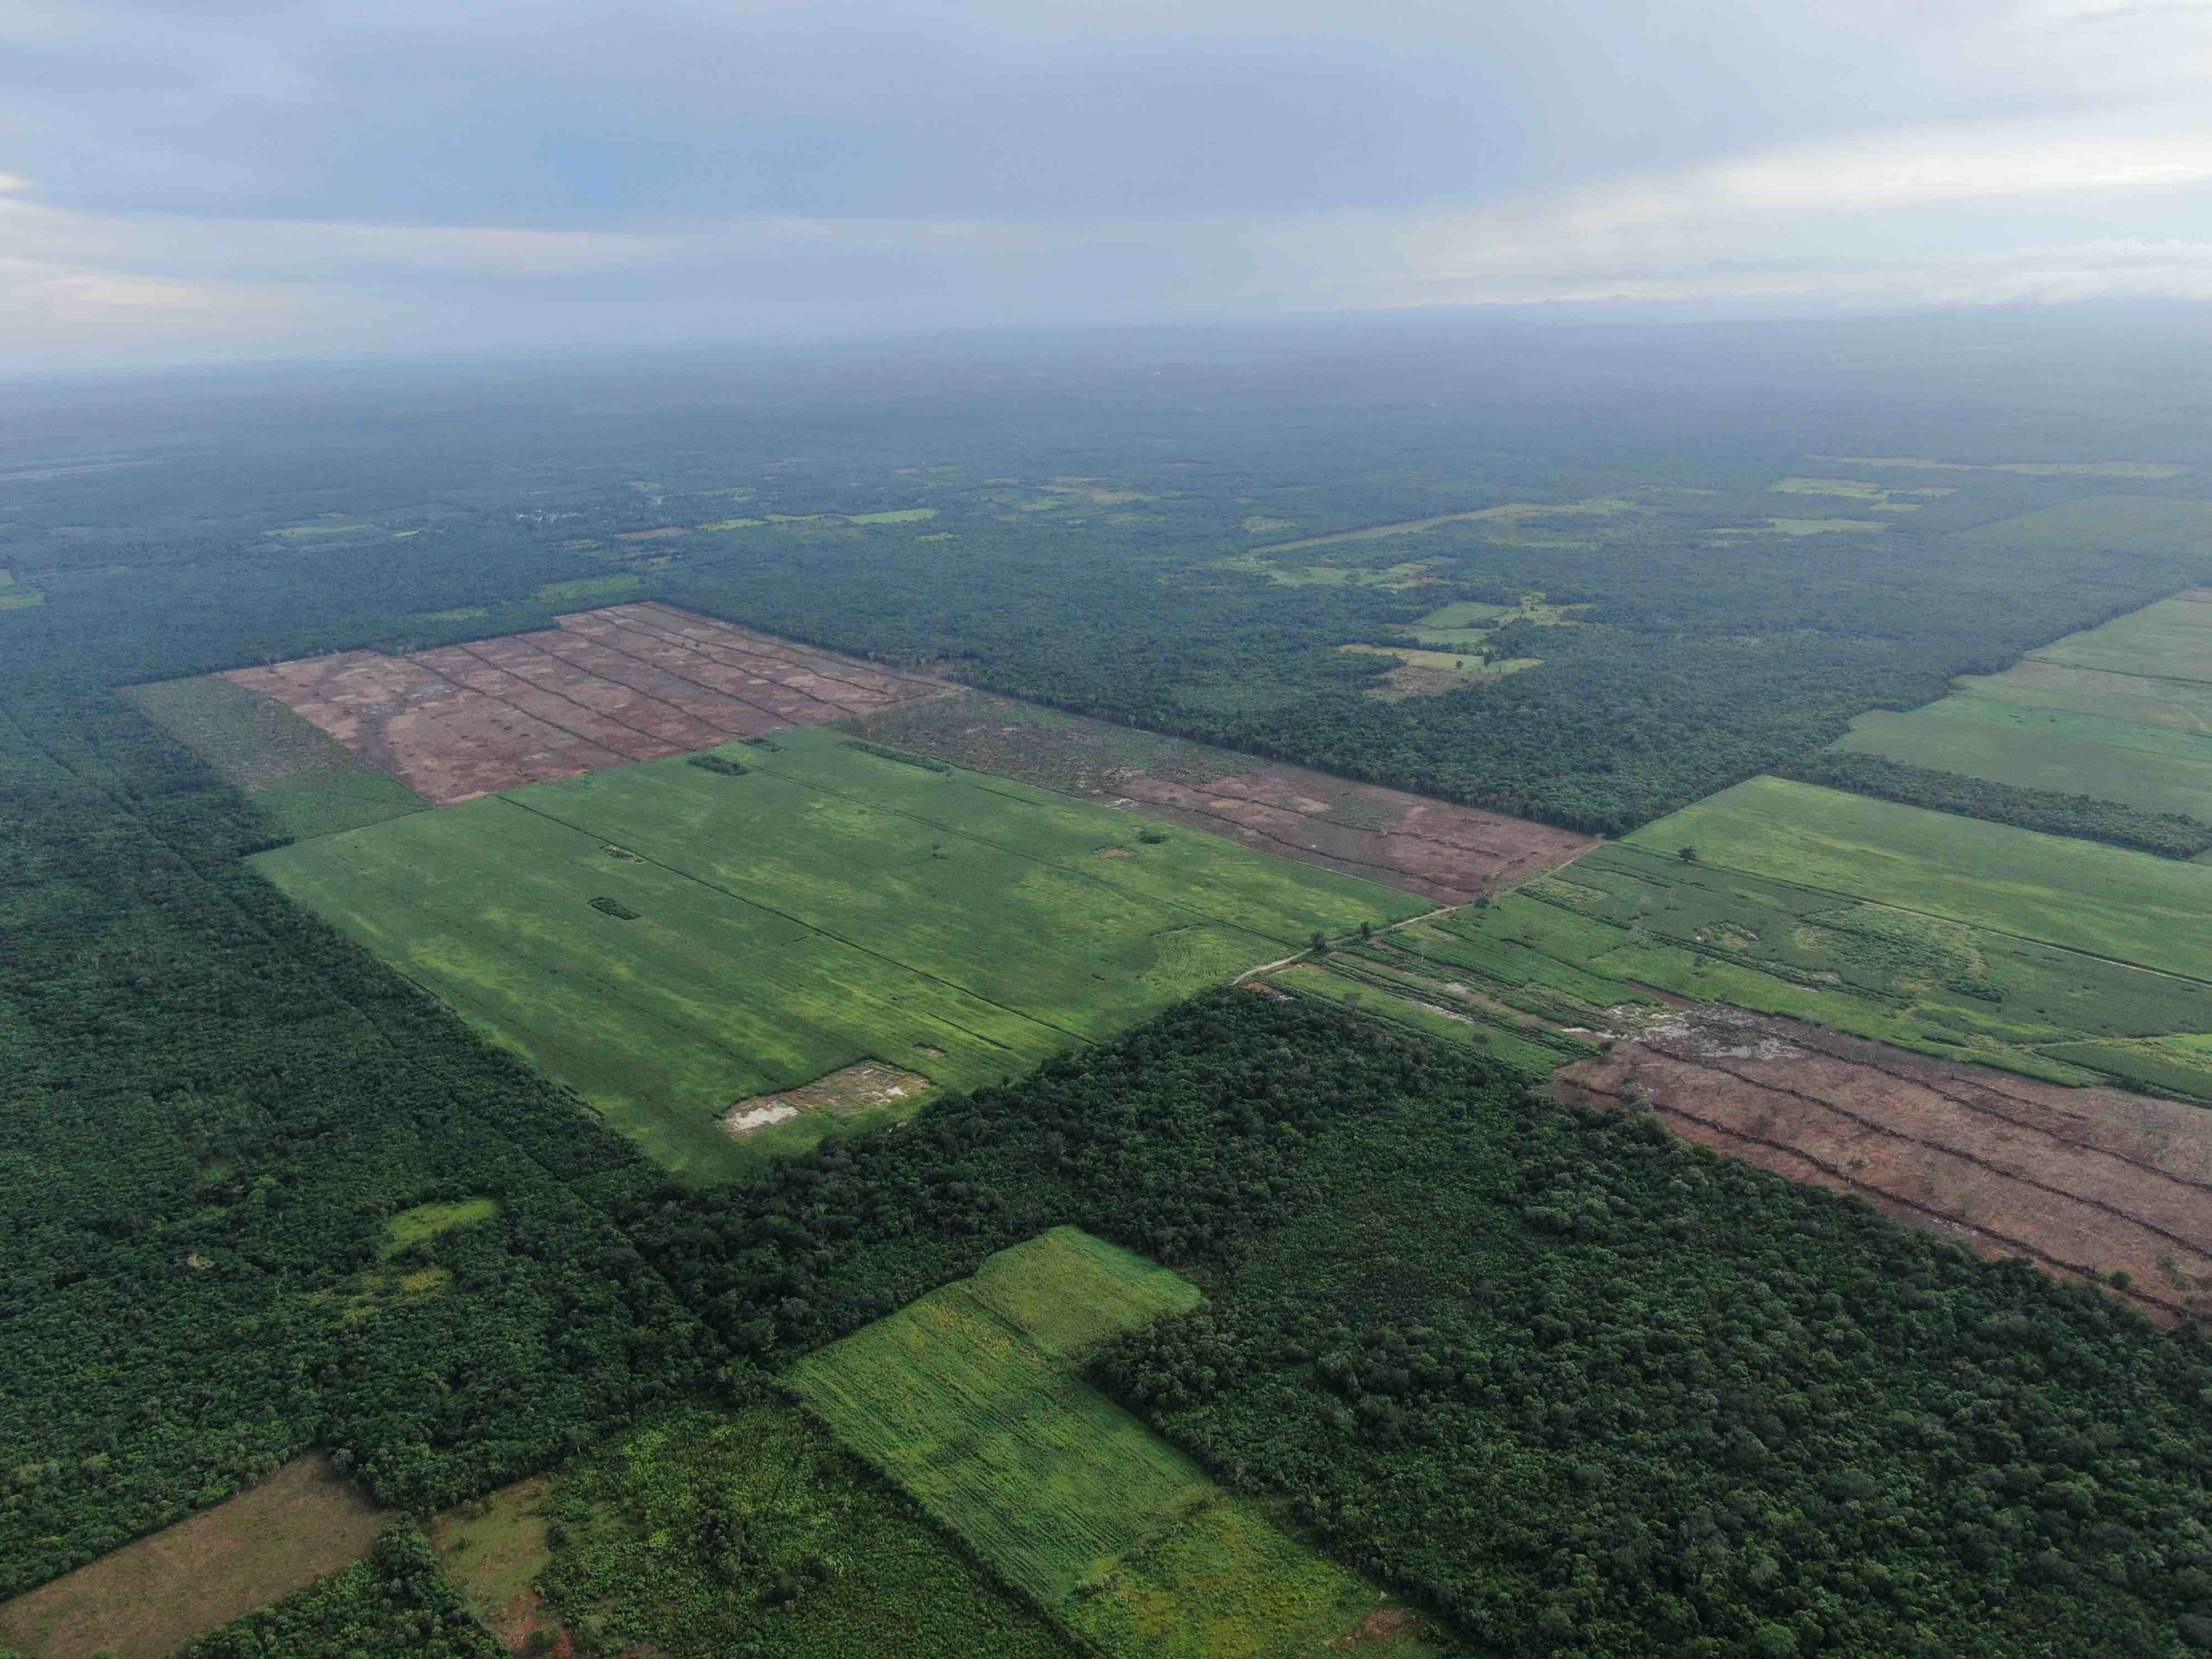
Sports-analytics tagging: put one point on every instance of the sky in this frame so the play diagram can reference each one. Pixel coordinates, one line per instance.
(232, 181)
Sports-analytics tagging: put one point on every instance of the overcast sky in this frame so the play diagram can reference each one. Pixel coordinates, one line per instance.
(182, 180)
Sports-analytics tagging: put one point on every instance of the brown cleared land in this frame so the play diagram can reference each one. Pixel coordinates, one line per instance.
(1451, 853)
(607, 687)
(2086, 1183)
(152, 1596)
(861, 1087)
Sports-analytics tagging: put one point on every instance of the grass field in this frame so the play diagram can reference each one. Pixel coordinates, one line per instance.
(2172, 639)
(826, 906)
(972, 1399)
(2156, 768)
(306, 780)
(2178, 705)
(156, 1594)
(2105, 901)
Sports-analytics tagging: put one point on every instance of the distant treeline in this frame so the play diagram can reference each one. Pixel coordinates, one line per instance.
(2084, 817)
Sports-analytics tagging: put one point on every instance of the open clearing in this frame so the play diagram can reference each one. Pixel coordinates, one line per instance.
(493, 1549)
(972, 1399)
(2157, 768)
(152, 1596)
(1450, 853)
(867, 1085)
(606, 687)
(307, 781)
(2088, 1184)
(2105, 901)
(671, 938)
(2169, 640)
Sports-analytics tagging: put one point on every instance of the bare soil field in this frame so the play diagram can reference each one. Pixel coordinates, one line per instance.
(2088, 1184)
(1450, 853)
(606, 687)
(861, 1087)
(153, 1595)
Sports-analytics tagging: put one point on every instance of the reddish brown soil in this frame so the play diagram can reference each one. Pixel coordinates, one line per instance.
(2086, 1183)
(1451, 853)
(605, 688)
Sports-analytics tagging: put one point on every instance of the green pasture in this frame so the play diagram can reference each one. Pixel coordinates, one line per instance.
(2153, 767)
(2172, 639)
(2105, 901)
(2144, 524)
(828, 906)
(972, 1399)
(2177, 705)
(308, 782)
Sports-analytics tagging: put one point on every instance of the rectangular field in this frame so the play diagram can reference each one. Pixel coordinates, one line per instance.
(307, 781)
(152, 1596)
(2172, 639)
(606, 687)
(972, 1399)
(672, 939)
(1450, 853)
(2155, 768)
(2105, 901)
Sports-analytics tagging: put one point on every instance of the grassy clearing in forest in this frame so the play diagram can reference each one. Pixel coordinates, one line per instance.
(2169, 640)
(309, 783)
(151, 1596)
(972, 1399)
(2155, 768)
(827, 906)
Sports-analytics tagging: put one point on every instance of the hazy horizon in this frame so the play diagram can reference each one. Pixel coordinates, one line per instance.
(242, 186)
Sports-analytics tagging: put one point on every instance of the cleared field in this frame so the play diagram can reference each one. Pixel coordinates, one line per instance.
(669, 939)
(156, 1594)
(2177, 705)
(1621, 924)
(2172, 639)
(972, 1399)
(307, 781)
(1450, 853)
(2091, 1185)
(2153, 767)
(493, 1550)
(2150, 523)
(606, 687)
(2107, 901)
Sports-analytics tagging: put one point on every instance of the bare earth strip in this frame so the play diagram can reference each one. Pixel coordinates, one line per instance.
(607, 687)
(152, 1596)
(1453, 854)
(2086, 1183)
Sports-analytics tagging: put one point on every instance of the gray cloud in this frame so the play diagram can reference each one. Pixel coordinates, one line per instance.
(230, 177)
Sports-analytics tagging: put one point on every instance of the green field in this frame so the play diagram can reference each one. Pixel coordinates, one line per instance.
(307, 781)
(2156, 768)
(2169, 640)
(2105, 901)
(828, 905)
(973, 1400)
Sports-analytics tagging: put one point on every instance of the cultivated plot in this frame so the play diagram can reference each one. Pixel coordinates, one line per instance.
(303, 778)
(152, 1596)
(972, 1399)
(1450, 853)
(2088, 1184)
(606, 687)
(2154, 768)
(675, 939)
